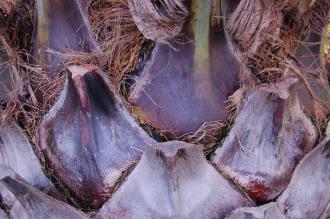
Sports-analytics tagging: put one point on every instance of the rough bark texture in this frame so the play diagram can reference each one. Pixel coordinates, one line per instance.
(88, 138)
(183, 185)
(153, 23)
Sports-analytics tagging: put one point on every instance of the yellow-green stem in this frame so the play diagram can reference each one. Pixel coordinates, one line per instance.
(42, 22)
(325, 42)
(201, 10)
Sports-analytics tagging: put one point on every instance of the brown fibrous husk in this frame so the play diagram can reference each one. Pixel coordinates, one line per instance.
(118, 36)
(159, 20)
(267, 34)
(121, 41)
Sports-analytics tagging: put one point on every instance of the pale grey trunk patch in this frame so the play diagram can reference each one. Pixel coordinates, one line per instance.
(174, 180)
(269, 137)
(267, 211)
(28, 202)
(308, 193)
(17, 153)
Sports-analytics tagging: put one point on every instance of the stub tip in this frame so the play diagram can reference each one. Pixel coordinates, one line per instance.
(81, 70)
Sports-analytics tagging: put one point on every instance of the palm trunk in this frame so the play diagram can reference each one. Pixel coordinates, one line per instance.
(231, 99)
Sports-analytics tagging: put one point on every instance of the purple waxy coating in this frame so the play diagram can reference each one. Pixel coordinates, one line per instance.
(176, 95)
(88, 138)
(62, 27)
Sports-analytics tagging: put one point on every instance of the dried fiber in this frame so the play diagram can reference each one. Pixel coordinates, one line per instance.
(159, 20)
